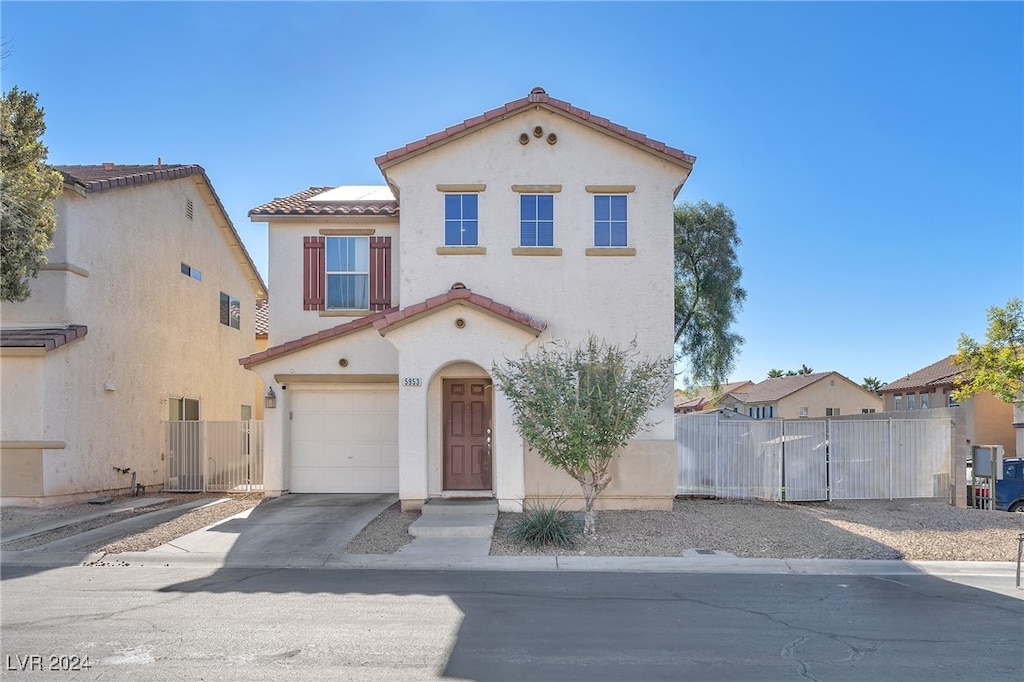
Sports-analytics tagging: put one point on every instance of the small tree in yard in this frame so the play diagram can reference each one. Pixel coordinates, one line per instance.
(577, 406)
(998, 364)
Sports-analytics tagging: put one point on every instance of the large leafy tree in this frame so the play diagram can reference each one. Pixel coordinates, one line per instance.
(28, 188)
(997, 365)
(708, 294)
(577, 405)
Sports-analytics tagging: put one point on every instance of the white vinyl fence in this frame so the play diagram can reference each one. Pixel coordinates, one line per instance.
(205, 456)
(796, 460)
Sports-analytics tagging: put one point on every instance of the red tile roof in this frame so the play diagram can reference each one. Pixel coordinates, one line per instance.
(313, 339)
(465, 297)
(47, 338)
(111, 176)
(299, 204)
(386, 319)
(696, 400)
(107, 176)
(537, 97)
(262, 317)
(938, 374)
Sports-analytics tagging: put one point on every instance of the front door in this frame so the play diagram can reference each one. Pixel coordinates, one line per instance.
(467, 434)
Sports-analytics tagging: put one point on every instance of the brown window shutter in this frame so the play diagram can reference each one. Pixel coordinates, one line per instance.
(380, 273)
(313, 273)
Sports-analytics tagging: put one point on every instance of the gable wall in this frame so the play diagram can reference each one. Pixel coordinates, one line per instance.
(153, 333)
(617, 298)
(830, 391)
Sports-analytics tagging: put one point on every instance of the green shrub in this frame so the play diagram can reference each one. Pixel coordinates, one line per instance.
(545, 525)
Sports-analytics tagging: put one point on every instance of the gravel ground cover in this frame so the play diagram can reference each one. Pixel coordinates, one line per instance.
(386, 534)
(862, 529)
(16, 518)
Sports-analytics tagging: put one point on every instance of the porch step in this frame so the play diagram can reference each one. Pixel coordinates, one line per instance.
(456, 519)
(454, 526)
(446, 507)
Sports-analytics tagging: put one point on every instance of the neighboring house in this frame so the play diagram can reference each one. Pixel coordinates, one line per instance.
(986, 419)
(262, 328)
(807, 396)
(530, 223)
(705, 398)
(139, 316)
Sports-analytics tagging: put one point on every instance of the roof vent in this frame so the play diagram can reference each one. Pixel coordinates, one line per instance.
(538, 91)
(458, 285)
(108, 165)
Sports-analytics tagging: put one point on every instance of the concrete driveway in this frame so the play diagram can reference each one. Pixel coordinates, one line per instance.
(302, 529)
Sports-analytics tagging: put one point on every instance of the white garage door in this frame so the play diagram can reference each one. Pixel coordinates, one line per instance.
(344, 441)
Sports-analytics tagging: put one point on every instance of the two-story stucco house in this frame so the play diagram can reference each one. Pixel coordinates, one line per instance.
(140, 315)
(807, 396)
(534, 222)
(984, 420)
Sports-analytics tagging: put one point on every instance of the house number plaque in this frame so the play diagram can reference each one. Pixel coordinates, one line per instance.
(411, 381)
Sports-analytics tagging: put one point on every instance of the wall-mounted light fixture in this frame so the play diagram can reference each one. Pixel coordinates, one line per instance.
(270, 399)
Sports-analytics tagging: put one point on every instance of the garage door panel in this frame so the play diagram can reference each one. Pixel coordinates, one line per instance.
(337, 402)
(307, 426)
(303, 401)
(389, 455)
(344, 441)
(366, 403)
(354, 428)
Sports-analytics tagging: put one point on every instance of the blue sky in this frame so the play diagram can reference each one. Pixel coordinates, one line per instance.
(872, 152)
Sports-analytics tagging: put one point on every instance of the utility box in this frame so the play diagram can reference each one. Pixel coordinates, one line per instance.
(985, 458)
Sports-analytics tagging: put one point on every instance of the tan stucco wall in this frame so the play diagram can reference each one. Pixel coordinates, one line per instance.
(643, 477)
(21, 472)
(830, 391)
(993, 423)
(153, 333)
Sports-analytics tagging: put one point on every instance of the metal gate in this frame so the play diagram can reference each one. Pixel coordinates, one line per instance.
(204, 456)
(803, 460)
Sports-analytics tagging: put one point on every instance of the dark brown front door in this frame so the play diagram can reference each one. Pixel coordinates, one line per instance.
(467, 434)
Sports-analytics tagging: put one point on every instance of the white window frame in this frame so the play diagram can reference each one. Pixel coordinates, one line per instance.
(897, 403)
(233, 321)
(910, 401)
(536, 221)
(181, 403)
(346, 273)
(924, 401)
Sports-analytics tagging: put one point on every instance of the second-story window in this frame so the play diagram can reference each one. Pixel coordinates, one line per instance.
(230, 311)
(348, 273)
(460, 220)
(536, 220)
(610, 220)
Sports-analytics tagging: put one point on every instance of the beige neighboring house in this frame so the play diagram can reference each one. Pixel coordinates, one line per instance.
(262, 327)
(140, 315)
(705, 398)
(533, 222)
(986, 419)
(807, 396)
